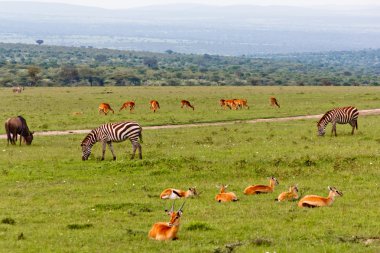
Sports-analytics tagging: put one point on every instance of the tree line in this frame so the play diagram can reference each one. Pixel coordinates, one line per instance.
(33, 65)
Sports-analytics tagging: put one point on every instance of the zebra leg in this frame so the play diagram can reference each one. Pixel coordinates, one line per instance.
(353, 124)
(112, 151)
(104, 143)
(134, 147)
(140, 152)
(333, 128)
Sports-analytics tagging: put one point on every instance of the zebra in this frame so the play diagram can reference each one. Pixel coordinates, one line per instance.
(113, 132)
(341, 115)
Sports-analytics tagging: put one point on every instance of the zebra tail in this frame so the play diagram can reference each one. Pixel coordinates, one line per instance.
(356, 125)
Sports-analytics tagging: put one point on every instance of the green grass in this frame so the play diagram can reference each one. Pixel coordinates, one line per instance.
(77, 108)
(51, 201)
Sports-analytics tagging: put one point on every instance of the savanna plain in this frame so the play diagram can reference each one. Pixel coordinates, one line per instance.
(52, 201)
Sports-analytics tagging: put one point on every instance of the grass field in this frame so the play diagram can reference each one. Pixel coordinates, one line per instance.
(77, 108)
(51, 201)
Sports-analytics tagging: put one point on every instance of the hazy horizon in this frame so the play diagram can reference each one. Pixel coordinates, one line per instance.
(207, 28)
(126, 4)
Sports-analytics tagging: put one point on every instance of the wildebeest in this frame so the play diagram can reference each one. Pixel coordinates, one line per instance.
(15, 126)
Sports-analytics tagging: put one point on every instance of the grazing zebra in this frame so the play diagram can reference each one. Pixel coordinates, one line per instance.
(113, 132)
(341, 115)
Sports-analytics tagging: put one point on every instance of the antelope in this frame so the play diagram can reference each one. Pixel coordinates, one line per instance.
(186, 104)
(154, 105)
(222, 103)
(176, 194)
(257, 189)
(224, 196)
(317, 201)
(274, 102)
(17, 89)
(104, 108)
(289, 195)
(127, 104)
(231, 104)
(167, 231)
(240, 103)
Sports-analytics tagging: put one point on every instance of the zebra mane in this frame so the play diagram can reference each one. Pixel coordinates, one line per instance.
(324, 117)
(89, 139)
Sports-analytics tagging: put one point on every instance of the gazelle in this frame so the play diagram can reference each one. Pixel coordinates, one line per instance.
(289, 195)
(257, 189)
(316, 201)
(104, 108)
(130, 104)
(224, 196)
(154, 105)
(274, 102)
(185, 103)
(171, 193)
(167, 231)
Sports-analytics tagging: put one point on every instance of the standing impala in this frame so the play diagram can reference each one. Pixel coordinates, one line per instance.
(171, 193)
(317, 201)
(167, 231)
(257, 189)
(224, 196)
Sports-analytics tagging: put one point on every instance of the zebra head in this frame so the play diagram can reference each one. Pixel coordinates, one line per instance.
(86, 151)
(86, 145)
(321, 129)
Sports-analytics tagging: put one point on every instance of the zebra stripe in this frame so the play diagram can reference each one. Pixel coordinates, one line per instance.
(113, 132)
(341, 115)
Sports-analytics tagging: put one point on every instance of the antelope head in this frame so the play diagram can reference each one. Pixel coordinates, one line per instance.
(175, 216)
(335, 191)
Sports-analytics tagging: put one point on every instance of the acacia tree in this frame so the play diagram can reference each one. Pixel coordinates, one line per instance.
(33, 72)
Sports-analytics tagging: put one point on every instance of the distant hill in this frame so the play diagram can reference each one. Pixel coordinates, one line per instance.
(233, 30)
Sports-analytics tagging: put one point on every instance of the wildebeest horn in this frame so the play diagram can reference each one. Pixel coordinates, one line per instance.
(180, 209)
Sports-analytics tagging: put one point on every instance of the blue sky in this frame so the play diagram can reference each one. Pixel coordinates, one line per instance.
(124, 4)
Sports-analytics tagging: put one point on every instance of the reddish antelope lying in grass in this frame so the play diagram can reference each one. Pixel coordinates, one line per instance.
(289, 195)
(224, 196)
(257, 189)
(176, 194)
(167, 231)
(317, 201)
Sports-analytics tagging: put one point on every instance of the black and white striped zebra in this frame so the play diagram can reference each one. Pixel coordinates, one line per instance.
(113, 132)
(341, 115)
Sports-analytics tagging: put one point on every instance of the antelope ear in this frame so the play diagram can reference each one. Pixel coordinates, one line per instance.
(329, 187)
(226, 186)
(32, 132)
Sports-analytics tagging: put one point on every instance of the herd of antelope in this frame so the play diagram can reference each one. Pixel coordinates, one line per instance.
(169, 230)
(232, 104)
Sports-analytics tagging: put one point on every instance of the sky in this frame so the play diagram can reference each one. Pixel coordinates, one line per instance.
(125, 4)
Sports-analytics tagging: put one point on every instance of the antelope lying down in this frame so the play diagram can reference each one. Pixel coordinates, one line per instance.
(224, 196)
(257, 189)
(167, 230)
(289, 195)
(171, 193)
(317, 201)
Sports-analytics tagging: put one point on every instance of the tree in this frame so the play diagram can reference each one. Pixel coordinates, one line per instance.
(69, 74)
(33, 72)
(39, 42)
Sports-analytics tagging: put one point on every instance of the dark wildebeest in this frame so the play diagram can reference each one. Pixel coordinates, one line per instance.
(15, 126)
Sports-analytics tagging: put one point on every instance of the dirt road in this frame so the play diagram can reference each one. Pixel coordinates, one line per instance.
(84, 131)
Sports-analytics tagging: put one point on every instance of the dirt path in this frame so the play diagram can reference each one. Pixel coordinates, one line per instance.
(84, 131)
